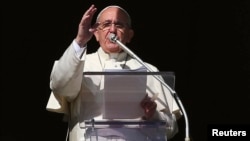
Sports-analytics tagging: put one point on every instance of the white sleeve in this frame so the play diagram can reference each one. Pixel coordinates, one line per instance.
(79, 50)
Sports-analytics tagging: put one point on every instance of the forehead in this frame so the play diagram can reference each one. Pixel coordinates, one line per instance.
(113, 14)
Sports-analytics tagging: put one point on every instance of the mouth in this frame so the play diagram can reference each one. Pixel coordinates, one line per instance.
(112, 37)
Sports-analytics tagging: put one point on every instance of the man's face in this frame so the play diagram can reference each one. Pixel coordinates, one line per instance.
(113, 20)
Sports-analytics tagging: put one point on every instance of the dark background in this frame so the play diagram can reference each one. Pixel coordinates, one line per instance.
(206, 44)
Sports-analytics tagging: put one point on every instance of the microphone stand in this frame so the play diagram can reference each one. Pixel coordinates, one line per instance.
(113, 38)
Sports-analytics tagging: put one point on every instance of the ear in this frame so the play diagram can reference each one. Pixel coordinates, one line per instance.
(96, 35)
(131, 35)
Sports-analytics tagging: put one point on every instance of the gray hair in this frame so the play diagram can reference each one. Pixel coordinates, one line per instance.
(116, 6)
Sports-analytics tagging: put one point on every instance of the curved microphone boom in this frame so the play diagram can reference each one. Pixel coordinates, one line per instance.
(113, 38)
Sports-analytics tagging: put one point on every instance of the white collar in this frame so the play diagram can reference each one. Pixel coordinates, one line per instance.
(106, 56)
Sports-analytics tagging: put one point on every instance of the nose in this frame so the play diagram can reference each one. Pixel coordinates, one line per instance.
(113, 28)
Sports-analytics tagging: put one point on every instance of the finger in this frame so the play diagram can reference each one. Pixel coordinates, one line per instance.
(154, 97)
(145, 102)
(151, 106)
(88, 15)
(91, 11)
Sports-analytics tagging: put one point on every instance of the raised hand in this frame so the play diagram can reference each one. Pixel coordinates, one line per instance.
(85, 29)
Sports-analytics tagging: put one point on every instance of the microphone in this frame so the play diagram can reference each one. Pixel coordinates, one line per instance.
(113, 38)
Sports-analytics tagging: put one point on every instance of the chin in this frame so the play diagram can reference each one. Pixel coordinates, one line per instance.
(114, 49)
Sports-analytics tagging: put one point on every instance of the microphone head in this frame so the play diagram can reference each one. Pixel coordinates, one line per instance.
(112, 37)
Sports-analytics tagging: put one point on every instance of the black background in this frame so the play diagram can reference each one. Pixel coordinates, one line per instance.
(206, 43)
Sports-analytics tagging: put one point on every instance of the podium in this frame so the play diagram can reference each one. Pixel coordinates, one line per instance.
(125, 130)
(129, 127)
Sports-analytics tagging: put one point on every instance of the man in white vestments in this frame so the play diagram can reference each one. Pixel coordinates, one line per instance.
(80, 97)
